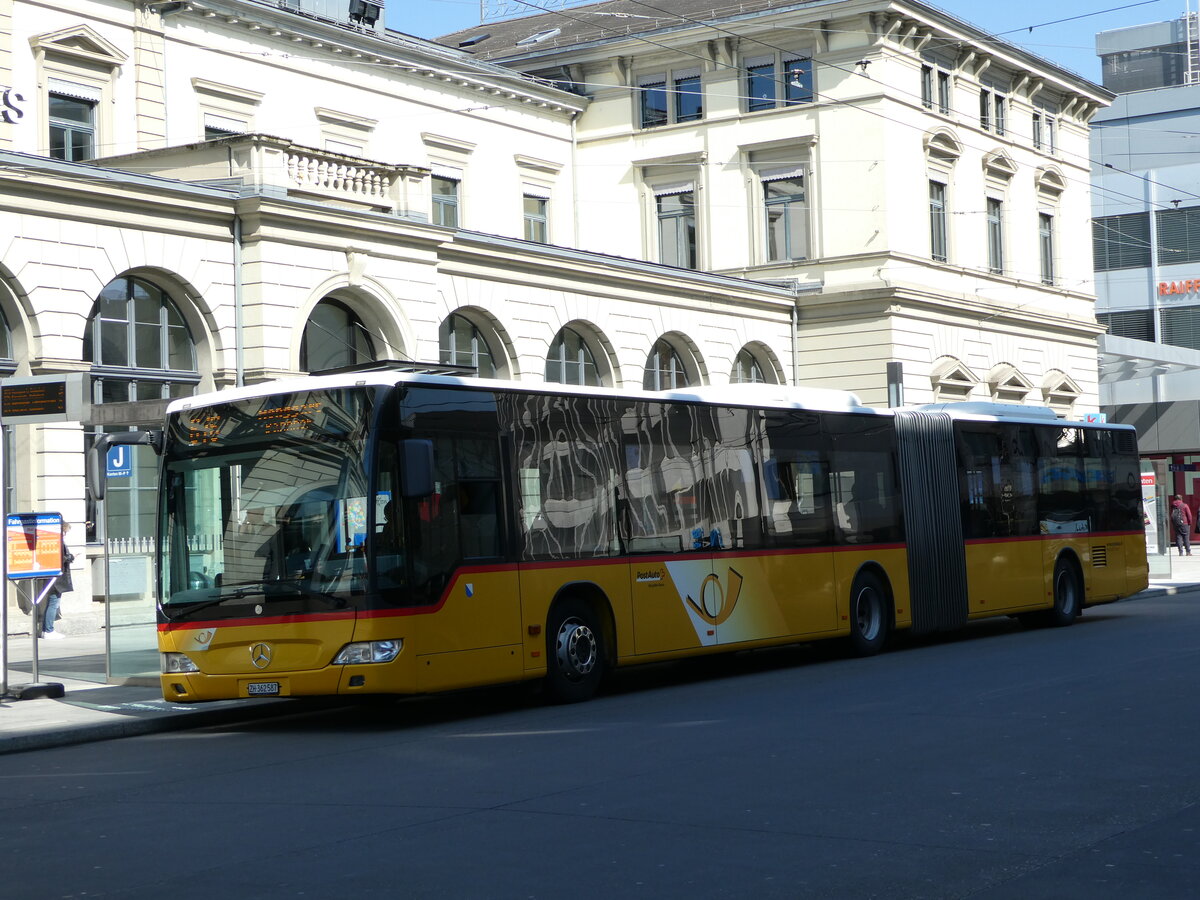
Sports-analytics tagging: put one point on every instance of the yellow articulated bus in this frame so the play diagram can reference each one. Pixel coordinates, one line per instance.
(382, 531)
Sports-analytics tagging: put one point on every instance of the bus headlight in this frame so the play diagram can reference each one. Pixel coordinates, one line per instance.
(368, 652)
(177, 664)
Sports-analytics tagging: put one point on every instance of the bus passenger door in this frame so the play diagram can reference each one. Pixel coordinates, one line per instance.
(663, 530)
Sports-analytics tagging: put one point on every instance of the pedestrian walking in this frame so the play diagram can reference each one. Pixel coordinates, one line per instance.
(62, 584)
(1181, 521)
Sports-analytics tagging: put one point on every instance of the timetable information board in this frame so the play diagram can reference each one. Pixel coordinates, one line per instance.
(33, 542)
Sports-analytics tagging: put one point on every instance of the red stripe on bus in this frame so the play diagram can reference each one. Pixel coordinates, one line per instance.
(460, 573)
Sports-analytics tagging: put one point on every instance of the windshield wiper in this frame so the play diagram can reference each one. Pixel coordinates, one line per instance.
(251, 589)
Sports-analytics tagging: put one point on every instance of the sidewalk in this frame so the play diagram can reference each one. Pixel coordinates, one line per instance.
(93, 711)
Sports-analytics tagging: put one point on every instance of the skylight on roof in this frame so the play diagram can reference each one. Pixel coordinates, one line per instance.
(540, 36)
(474, 39)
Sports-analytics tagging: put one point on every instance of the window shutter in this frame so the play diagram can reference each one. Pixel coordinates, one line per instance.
(1178, 235)
(1181, 327)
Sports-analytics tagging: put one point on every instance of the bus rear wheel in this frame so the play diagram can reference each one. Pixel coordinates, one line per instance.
(868, 615)
(574, 653)
(1067, 595)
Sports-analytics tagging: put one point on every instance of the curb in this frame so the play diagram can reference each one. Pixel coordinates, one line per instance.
(132, 726)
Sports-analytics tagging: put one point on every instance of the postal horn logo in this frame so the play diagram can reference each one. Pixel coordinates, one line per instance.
(717, 603)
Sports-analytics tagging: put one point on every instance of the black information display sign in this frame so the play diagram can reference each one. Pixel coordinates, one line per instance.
(44, 399)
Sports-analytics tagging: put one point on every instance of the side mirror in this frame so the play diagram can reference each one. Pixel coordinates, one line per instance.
(97, 478)
(416, 468)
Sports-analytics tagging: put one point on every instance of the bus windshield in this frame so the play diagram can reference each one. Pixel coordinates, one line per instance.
(265, 504)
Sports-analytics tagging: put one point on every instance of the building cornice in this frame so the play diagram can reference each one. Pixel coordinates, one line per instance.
(401, 53)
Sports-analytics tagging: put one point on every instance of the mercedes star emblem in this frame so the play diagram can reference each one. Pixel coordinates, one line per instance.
(260, 655)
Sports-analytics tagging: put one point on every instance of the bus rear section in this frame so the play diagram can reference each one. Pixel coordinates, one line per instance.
(1044, 518)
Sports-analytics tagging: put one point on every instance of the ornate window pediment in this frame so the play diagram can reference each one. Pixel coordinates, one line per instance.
(998, 164)
(80, 43)
(1060, 392)
(952, 380)
(942, 145)
(1050, 180)
(1007, 385)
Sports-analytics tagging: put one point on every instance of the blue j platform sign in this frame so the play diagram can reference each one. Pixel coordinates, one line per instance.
(119, 463)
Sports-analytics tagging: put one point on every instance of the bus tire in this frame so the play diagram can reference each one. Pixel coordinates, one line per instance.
(868, 614)
(1067, 595)
(574, 652)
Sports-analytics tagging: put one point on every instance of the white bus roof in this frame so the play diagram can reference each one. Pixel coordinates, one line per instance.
(773, 395)
(776, 396)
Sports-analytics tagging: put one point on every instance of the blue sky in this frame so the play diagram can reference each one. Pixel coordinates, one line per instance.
(1064, 32)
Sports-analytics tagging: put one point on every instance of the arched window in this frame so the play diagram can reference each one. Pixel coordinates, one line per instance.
(570, 360)
(140, 349)
(8, 365)
(334, 337)
(746, 369)
(462, 344)
(664, 368)
(138, 345)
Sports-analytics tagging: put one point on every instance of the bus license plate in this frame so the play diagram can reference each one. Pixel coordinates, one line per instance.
(262, 687)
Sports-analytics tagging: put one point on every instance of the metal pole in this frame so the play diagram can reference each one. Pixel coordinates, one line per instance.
(3, 565)
(103, 517)
(238, 311)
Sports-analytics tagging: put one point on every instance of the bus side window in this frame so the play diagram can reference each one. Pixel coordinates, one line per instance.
(478, 470)
(866, 502)
(796, 475)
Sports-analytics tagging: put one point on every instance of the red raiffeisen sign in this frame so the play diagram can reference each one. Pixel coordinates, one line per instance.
(1190, 286)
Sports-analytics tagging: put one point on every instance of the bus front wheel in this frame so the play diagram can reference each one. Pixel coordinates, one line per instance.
(574, 652)
(868, 615)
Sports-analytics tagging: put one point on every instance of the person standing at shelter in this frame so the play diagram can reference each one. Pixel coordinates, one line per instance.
(61, 585)
(1181, 521)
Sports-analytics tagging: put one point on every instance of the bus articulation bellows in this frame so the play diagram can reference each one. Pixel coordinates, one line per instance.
(380, 531)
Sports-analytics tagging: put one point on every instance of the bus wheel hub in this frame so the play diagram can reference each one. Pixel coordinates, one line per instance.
(576, 649)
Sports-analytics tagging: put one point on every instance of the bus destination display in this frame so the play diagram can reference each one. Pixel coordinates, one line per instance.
(310, 414)
(208, 426)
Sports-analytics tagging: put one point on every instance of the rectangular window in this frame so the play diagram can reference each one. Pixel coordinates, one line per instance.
(1044, 127)
(1133, 323)
(995, 235)
(653, 100)
(667, 97)
(937, 221)
(677, 230)
(993, 110)
(1123, 242)
(1178, 235)
(1181, 326)
(778, 80)
(445, 201)
(787, 217)
(760, 83)
(927, 86)
(72, 128)
(943, 79)
(1046, 242)
(536, 221)
(689, 99)
(798, 84)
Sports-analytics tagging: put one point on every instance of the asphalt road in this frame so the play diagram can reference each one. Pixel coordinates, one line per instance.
(1000, 763)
